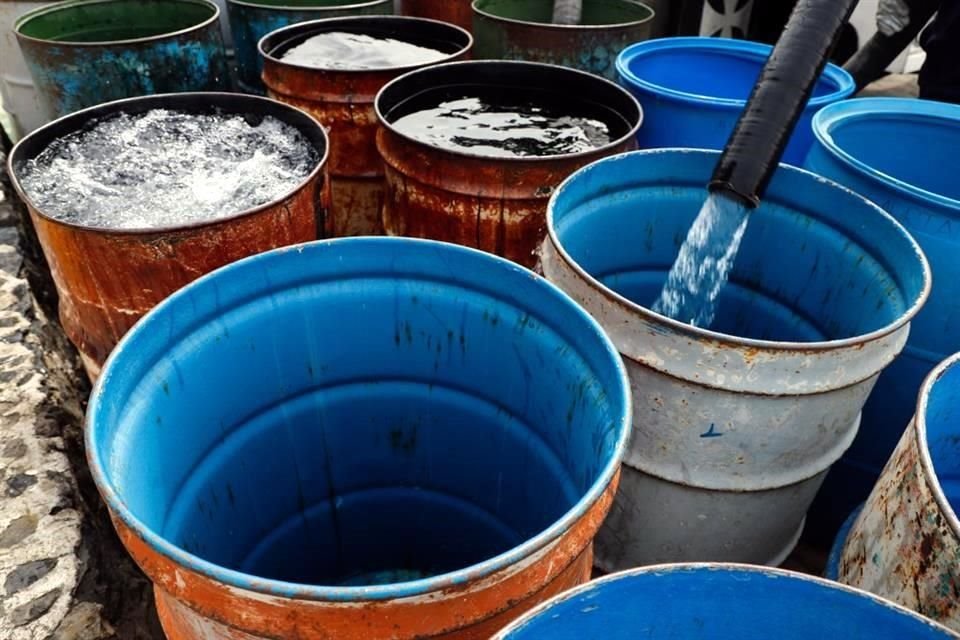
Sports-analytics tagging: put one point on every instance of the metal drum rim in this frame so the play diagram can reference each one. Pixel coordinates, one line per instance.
(575, 28)
(70, 4)
(725, 338)
(903, 108)
(759, 51)
(726, 567)
(346, 6)
(465, 576)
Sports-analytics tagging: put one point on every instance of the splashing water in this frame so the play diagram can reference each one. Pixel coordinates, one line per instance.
(704, 264)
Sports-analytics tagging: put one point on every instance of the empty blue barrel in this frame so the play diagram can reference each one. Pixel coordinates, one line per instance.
(693, 90)
(332, 429)
(719, 602)
(902, 155)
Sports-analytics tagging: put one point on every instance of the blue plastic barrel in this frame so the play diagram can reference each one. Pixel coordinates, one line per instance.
(719, 602)
(693, 90)
(360, 421)
(903, 155)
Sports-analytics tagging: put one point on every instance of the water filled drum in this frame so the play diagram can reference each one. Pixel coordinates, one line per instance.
(735, 427)
(719, 602)
(360, 438)
(695, 89)
(900, 154)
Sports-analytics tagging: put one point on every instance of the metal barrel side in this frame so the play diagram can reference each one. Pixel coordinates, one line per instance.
(521, 30)
(494, 204)
(83, 53)
(456, 12)
(20, 97)
(360, 438)
(905, 544)
(251, 20)
(698, 87)
(719, 602)
(735, 427)
(108, 279)
(901, 155)
(343, 102)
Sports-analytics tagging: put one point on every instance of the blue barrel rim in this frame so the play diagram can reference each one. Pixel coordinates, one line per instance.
(321, 593)
(578, 28)
(457, 152)
(111, 107)
(214, 19)
(263, 53)
(866, 108)
(726, 567)
(726, 338)
(920, 429)
(841, 78)
(832, 570)
(347, 5)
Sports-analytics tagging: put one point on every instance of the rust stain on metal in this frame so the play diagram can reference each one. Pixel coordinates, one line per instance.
(192, 606)
(458, 12)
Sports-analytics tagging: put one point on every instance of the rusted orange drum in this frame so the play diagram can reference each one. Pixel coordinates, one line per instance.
(458, 12)
(107, 279)
(342, 100)
(496, 204)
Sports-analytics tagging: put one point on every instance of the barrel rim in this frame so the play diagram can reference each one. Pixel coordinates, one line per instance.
(461, 153)
(454, 579)
(920, 429)
(577, 28)
(70, 4)
(701, 334)
(866, 108)
(108, 108)
(346, 6)
(730, 568)
(842, 80)
(305, 27)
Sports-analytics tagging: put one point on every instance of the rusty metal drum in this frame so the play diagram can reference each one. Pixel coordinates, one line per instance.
(497, 204)
(522, 30)
(360, 438)
(734, 427)
(343, 102)
(905, 544)
(456, 12)
(107, 279)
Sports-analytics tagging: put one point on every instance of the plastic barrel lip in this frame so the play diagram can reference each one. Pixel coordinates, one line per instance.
(569, 27)
(843, 81)
(920, 429)
(587, 77)
(55, 8)
(731, 568)
(832, 570)
(726, 339)
(109, 108)
(305, 27)
(905, 109)
(318, 593)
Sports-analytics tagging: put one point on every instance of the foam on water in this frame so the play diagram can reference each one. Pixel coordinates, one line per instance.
(498, 129)
(704, 264)
(166, 168)
(357, 51)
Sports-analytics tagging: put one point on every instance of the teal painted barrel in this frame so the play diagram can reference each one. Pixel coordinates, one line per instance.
(902, 155)
(251, 20)
(719, 602)
(86, 52)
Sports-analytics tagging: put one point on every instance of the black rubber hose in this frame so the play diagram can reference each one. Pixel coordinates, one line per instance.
(779, 97)
(872, 60)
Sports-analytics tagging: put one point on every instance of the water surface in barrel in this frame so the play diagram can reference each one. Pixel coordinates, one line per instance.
(357, 51)
(167, 168)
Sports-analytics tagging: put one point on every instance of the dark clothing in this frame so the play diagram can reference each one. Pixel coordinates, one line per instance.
(940, 75)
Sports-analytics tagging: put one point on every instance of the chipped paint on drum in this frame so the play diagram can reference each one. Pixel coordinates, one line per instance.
(456, 12)
(108, 279)
(905, 544)
(497, 205)
(251, 20)
(237, 415)
(521, 30)
(719, 602)
(343, 102)
(86, 52)
(732, 436)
